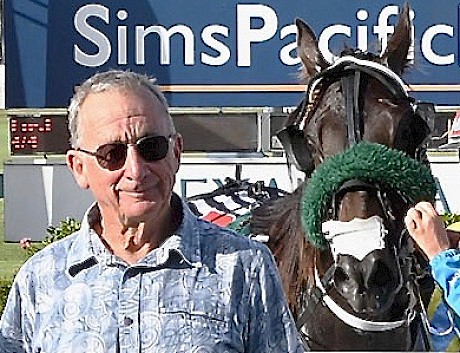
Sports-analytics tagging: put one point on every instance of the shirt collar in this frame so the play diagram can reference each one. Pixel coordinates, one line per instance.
(87, 250)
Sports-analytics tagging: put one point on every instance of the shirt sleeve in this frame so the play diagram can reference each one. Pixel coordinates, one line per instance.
(11, 334)
(271, 327)
(445, 268)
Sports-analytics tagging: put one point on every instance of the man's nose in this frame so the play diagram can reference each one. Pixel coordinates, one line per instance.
(135, 165)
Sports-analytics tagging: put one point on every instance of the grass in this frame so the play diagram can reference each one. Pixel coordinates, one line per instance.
(11, 255)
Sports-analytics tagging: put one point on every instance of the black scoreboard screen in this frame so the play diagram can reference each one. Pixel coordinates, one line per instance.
(46, 134)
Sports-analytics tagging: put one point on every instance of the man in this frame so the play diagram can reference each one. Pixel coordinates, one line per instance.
(143, 274)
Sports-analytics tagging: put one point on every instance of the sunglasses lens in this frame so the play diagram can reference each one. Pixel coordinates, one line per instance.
(112, 156)
(153, 148)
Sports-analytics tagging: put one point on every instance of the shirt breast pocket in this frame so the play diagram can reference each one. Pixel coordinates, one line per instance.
(182, 331)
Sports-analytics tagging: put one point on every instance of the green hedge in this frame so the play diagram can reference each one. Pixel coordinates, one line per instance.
(5, 286)
(66, 227)
(450, 218)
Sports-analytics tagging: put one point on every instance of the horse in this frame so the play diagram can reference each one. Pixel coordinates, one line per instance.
(352, 277)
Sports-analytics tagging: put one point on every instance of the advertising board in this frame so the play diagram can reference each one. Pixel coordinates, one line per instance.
(213, 53)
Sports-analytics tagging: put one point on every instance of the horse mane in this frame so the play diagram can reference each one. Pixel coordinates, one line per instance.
(280, 220)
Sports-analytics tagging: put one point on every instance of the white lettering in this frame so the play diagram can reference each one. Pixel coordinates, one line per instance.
(362, 15)
(427, 45)
(165, 45)
(247, 35)
(382, 29)
(213, 43)
(326, 35)
(93, 35)
(256, 25)
(285, 52)
(122, 39)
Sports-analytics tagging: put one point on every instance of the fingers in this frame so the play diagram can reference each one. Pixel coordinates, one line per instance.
(427, 229)
(426, 208)
(421, 213)
(413, 218)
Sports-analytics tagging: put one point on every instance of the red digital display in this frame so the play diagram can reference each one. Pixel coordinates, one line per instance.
(38, 135)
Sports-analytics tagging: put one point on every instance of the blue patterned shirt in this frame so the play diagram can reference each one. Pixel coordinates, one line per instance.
(205, 289)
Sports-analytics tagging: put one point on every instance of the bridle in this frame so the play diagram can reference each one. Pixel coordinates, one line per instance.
(320, 292)
(353, 74)
(403, 252)
(350, 70)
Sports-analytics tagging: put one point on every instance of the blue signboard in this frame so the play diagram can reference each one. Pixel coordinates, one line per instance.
(213, 53)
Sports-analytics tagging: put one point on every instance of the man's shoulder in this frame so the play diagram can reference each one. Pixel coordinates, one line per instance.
(228, 241)
(54, 252)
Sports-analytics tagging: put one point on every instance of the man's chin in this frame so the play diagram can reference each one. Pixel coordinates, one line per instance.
(140, 212)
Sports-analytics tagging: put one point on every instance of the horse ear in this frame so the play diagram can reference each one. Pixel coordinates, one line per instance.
(308, 50)
(398, 46)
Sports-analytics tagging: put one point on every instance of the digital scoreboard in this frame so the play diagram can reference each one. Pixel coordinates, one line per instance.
(44, 134)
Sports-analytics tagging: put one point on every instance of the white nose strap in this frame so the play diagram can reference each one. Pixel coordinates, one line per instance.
(357, 238)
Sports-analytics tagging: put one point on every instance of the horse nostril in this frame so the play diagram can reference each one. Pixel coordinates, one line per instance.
(340, 275)
(381, 275)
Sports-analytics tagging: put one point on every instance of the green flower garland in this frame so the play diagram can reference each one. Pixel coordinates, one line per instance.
(369, 162)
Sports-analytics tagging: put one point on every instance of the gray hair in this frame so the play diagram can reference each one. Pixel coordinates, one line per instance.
(107, 81)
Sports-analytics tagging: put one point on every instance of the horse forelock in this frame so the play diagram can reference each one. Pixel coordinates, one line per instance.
(363, 55)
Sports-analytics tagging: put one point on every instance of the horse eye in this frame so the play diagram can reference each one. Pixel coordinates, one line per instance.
(388, 102)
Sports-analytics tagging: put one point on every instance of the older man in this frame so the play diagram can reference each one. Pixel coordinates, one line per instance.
(143, 274)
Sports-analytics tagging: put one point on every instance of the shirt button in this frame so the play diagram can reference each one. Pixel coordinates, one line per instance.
(127, 321)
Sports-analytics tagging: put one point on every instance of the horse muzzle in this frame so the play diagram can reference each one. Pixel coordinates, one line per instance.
(366, 272)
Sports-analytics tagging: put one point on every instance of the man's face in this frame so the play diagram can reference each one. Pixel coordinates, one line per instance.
(139, 190)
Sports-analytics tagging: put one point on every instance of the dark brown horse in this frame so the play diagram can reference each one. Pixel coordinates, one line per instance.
(352, 285)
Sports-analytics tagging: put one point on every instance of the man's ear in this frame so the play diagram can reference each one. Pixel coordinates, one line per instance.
(177, 149)
(77, 167)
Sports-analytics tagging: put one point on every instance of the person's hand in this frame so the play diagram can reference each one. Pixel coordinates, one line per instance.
(427, 229)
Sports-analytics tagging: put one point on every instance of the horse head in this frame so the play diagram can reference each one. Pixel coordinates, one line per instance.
(358, 97)
(358, 131)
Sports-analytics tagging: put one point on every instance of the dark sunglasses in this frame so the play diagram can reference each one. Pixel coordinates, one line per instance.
(112, 156)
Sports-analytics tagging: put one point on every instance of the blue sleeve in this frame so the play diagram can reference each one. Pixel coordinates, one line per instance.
(445, 268)
(11, 335)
